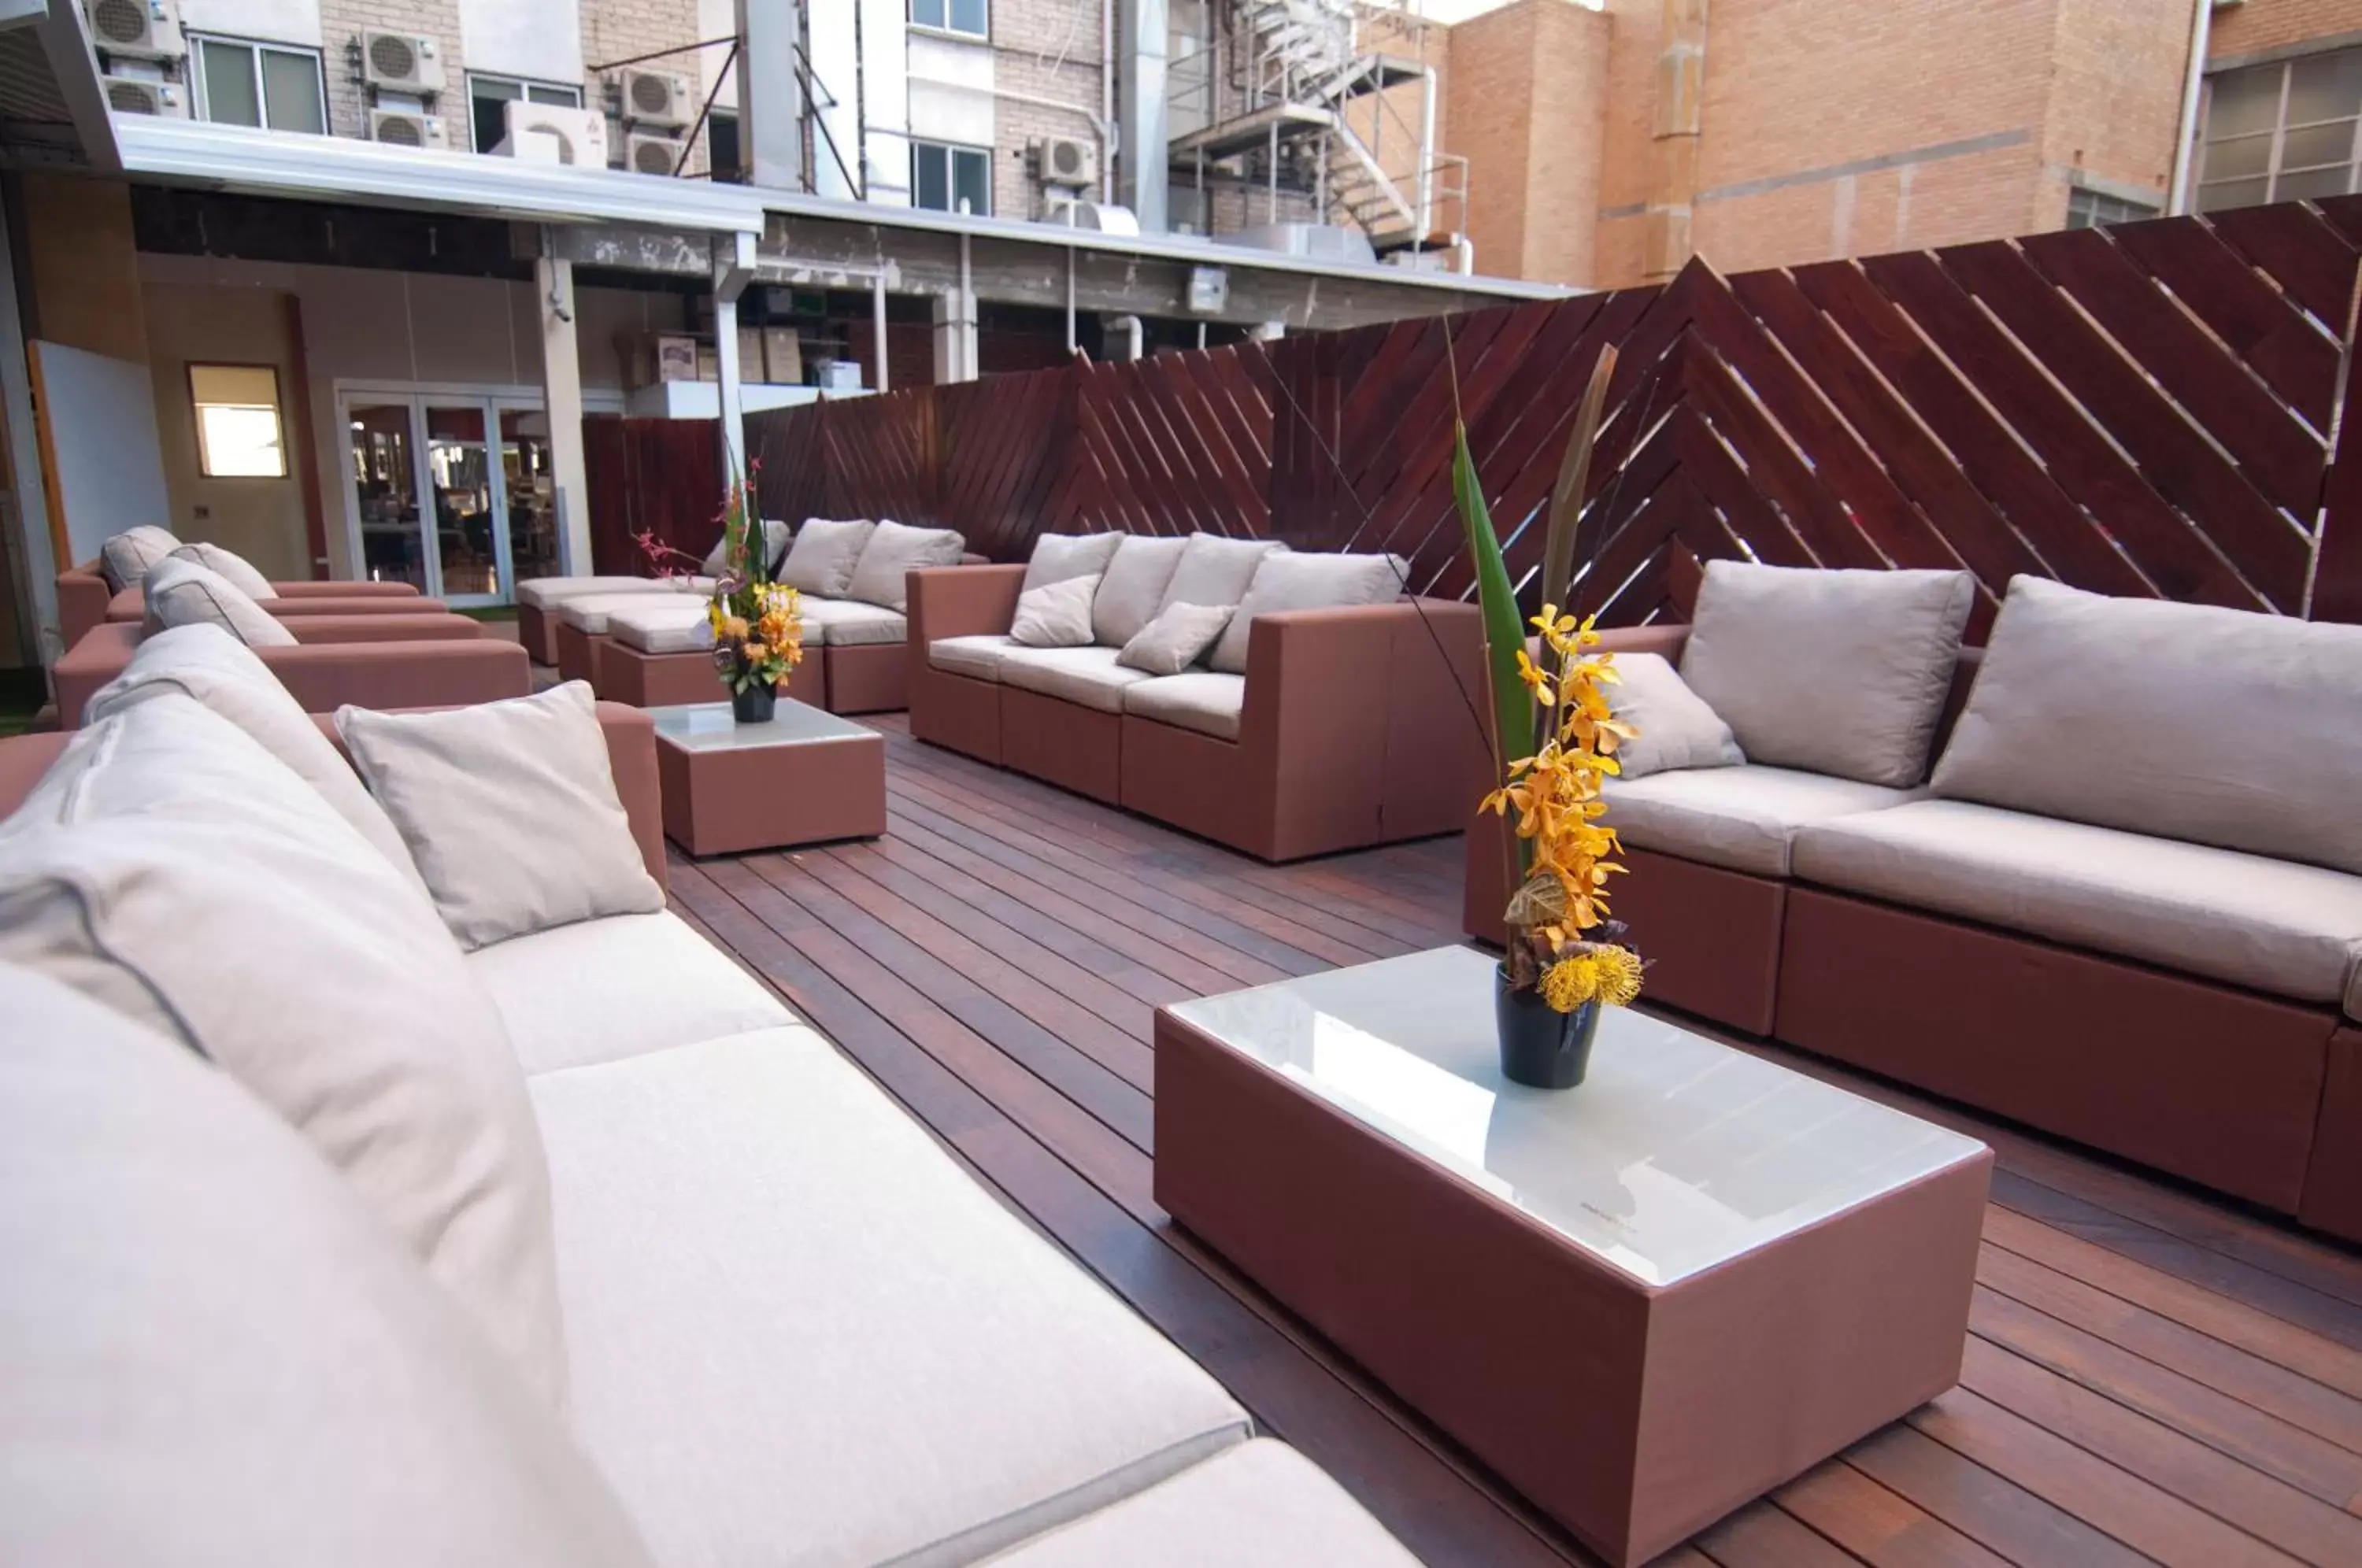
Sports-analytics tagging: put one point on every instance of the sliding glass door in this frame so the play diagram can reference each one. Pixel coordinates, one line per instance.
(451, 493)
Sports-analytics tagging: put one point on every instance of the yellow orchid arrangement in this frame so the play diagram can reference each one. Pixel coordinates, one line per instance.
(758, 626)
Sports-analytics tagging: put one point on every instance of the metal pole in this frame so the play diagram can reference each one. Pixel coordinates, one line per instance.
(2193, 82)
(1272, 176)
(1426, 153)
(877, 326)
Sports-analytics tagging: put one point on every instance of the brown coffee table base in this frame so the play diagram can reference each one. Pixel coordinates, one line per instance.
(730, 798)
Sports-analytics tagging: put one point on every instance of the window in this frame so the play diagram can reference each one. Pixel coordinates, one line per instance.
(487, 95)
(238, 421)
(943, 178)
(2096, 209)
(2279, 132)
(722, 144)
(951, 16)
(244, 83)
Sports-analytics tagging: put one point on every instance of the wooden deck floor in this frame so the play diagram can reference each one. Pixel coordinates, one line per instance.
(2150, 1377)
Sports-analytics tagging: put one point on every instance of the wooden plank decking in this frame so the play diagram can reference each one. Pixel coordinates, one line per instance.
(2151, 1376)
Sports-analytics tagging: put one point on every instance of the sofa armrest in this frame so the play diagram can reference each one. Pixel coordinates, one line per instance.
(324, 677)
(1314, 721)
(23, 760)
(82, 594)
(962, 601)
(131, 604)
(345, 588)
(1665, 641)
(425, 628)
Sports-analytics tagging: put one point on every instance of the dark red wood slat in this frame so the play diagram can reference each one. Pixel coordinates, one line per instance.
(2221, 288)
(2308, 258)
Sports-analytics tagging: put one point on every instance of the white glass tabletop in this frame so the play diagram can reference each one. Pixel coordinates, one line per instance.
(710, 727)
(1675, 1153)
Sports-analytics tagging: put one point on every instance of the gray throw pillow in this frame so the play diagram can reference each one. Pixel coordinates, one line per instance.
(1176, 639)
(125, 559)
(1837, 672)
(231, 568)
(1057, 557)
(1286, 580)
(825, 556)
(1055, 616)
(1676, 729)
(1132, 587)
(891, 553)
(776, 537)
(180, 592)
(1215, 570)
(509, 810)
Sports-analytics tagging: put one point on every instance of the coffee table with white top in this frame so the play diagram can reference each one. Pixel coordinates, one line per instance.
(1643, 1302)
(802, 776)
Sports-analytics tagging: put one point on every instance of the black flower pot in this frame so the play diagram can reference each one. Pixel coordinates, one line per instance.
(753, 704)
(1541, 1046)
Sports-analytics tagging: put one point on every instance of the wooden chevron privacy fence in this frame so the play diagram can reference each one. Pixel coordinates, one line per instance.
(2157, 409)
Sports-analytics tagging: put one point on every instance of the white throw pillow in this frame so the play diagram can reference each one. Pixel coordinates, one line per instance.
(1176, 639)
(1057, 557)
(1132, 587)
(216, 1353)
(1677, 729)
(208, 665)
(509, 810)
(892, 552)
(1286, 580)
(1215, 570)
(180, 592)
(169, 867)
(1842, 672)
(1057, 615)
(776, 537)
(825, 556)
(233, 570)
(126, 558)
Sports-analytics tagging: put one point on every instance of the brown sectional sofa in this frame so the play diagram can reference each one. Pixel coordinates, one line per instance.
(2195, 1008)
(87, 600)
(1349, 729)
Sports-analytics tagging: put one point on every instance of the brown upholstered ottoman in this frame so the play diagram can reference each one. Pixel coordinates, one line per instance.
(803, 776)
(1644, 1301)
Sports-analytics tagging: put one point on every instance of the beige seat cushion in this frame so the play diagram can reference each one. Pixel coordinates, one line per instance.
(1203, 701)
(1286, 581)
(548, 592)
(216, 671)
(803, 1336)
(893, 551)
(1132, 590)
(2219, 726)
(825, 556)
(978, 658)
(169, 866)
(1742, 818)
(231, 568)
(180, 592)
(1216, 570)
(1261, 1505)
(599, 991)
(124, 558)
(2272, 925)
(1838, 672)
(847, 623)
(671, 624)
(509, 810)
(214, 1352)
(589, 612)
(1675, 728)
(1059, 557)
(1090, 677)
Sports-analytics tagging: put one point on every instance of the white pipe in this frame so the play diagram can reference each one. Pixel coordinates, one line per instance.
(877, 326)
(1426, 153)
(2193, 81)
(1107, 100)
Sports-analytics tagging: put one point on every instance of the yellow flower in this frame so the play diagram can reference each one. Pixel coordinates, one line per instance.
(1552, 625)
(733, 627)
(1618, 975)
(1571, 982)
(1536, 680)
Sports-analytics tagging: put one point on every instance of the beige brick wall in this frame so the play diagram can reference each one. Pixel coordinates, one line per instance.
(622, 30)
(1047, 49)
(2261, 24)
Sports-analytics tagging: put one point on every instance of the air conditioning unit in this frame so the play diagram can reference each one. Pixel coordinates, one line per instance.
(137, 29)
(406, 127)
(651, 154)
(403, 62)
(1065, 160)
(658, 98)
(548, 133)
(138, 95)
(1103, 217)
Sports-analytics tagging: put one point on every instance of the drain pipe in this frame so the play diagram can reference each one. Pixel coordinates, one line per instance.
(2193, 81)
(1107, 148)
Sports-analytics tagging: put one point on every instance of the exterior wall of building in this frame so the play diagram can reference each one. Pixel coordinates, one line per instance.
(2263, 27)
(1527, 106)
(1047, 49)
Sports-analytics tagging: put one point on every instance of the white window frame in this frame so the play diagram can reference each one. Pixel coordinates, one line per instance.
(950, 151)
(525, 85)
(2274, 171)
(256, 49)
(945, 28)
(2106, 209)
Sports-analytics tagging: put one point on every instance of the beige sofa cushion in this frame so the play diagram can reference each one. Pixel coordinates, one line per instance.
(895, 551)
(977, 658)
(548, 593)
(1286, 581)
(776, 538)
(509, 810)
(216, 671)
(1090, 677)
(599, 991)
(169, 867)
(2220, 726)
(1261, 1505)
(675, 623)
(741, 1225)
(1200, 700)
(590, 613)
(1059, 557)
(1676, 729)
(214, 1352)
(1180, 637)
(825, 556)
(124, 558)
(179, 593)
(1132, 588)
(2272, 925)
(1839, 672)
(231, 568)
(847, 622)
(1742, 818)
(1216, 570)
(1055, 615)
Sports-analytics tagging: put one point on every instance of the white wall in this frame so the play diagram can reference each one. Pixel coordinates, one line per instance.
(951, 91)
(280, 21)
(886, 100)
(537, 38)
(717, 19)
